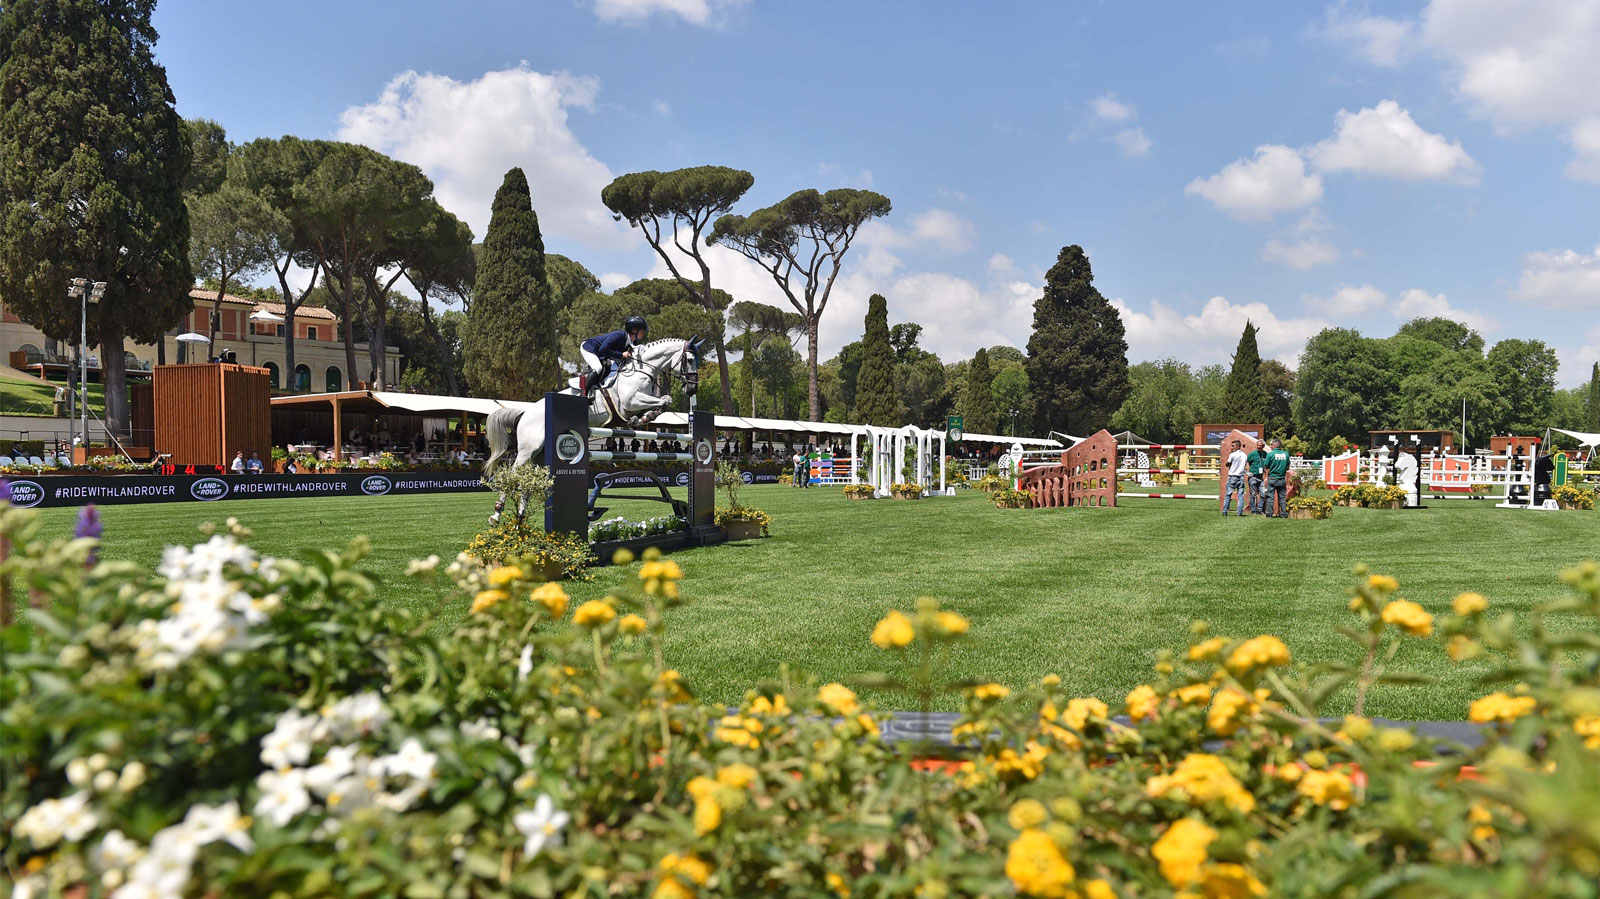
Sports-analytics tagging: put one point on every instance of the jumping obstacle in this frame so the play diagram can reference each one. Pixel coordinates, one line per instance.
(567, 454)
(1085, 476)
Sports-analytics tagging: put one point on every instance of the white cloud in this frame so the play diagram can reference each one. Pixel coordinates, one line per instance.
(466, 134)
(1133, 142)
(1380, 40)
(1304, 247)
(1585, 140)
(1107, 108)
(1385, 140)
(1210, 336)
(1274, 181)
(1561, 278)
(610, 281)
(1418, 303)
(861, 180)
(1576, 363)
(1348, 302)
(943, 229)
(695, 12)
(1001, 264)
(662, 107)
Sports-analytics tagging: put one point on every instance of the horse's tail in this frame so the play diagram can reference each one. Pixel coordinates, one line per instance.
(502, 436)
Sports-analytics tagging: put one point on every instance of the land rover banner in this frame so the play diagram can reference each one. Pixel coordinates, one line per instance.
(46, 491)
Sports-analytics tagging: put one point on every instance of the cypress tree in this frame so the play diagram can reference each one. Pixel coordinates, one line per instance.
(876, 403)
(93, 158)
(1244, 397)
(1591, 403)
(509, 337)
(1078, 355)
(977, 406)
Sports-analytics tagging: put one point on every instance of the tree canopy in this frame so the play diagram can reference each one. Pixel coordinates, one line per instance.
(1078, 354)
(509, 342)
(978, 404)
(1245, 399)
(876, 403)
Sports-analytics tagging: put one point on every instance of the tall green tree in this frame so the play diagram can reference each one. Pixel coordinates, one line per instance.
(801, 242)
(1346, 385)
(1525, 372)
(234, 234)
(1277, 380)
(760, 325)
(441, 266)
(1012, 396)
(1078, 354)
(876, 403)
(978, 408)
(1244, 398)
(209, 154)
(684, 201)
(1592, 401)
(509, 342)
(568, 280)
(93, 157)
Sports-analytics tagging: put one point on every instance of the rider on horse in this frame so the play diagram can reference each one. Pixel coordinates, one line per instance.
(604, 355)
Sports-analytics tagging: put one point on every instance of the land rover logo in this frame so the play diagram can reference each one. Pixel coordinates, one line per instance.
(702, 452)
(747, 477)
(569, 447)
(208, 489)
(377, 485)
(682, 479)
(25, 494)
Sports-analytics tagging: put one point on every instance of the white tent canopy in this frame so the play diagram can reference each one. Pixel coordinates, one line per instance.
(1582, 438)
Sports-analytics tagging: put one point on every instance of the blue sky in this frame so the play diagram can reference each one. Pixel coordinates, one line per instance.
(1301, 165)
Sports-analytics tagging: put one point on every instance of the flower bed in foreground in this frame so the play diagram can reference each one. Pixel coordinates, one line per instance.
(233, 725)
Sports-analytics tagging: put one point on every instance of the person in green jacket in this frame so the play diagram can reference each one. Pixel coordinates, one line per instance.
(1257, 462)
(1277, 471)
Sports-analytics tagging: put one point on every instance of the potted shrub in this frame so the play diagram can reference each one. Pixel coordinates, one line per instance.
(1007, 498)
(858, 491)
(906, 491)
(740, 521)
(1303, 507)
(542, 555)
(280, 458)
(1568, 496)
(1348, 496)
(989, 483)
(1390, 497)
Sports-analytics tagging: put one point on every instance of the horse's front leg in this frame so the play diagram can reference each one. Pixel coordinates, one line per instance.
(499, 506)
(522, 507)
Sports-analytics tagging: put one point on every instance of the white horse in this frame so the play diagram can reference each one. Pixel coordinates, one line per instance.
(639, 394)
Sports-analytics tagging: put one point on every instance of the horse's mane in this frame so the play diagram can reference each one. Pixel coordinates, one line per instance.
(661, 340)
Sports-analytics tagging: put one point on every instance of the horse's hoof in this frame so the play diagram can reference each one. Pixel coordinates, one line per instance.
(494, 518)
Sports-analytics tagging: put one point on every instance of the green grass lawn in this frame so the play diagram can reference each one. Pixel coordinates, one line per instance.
(24, 398)
(1089, 594)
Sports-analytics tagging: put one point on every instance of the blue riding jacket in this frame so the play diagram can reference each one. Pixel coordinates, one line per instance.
(609, 346)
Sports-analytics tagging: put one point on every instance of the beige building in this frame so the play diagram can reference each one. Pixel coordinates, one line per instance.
(318, 352)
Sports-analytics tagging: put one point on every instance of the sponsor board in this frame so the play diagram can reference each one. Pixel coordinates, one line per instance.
(49, 491)
(674, 476)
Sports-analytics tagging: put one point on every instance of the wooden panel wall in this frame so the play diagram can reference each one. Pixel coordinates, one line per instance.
(205, 413)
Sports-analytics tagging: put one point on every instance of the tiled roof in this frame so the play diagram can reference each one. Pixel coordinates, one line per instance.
(210, 296)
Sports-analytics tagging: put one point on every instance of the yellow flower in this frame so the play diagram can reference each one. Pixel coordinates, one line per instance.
(1462, 647)
(986, 692)
(1230, 881)
(671, 888)
(1202, 778)
(777, 705)
(1395, 739)
(951, 624)
(1480, 815)
(738, 731)
(632, 624)
(1226, 709)
(689, 867)
(1207, 649)
(666, 570)
(1098, 889)
(1330, 788)
(737, 776)
(1030, 764)
(1357, 728)
(504, 576)
(553, 598)
(1026, 813)
(488, 599)
(1383, 583)
(707, 811)
(1194, 694)
(1080, 711)
(1142, 703)
(1409, 617)
(839, 698)
(1051, 680)
(893, 631)
(1181, 851)
(1258, 652)
(1037, 867)
(836, 883)
(1588, 727)
(1500, 707)
(1469, 604)
(866, 723)
(593, 613)
(671, 683)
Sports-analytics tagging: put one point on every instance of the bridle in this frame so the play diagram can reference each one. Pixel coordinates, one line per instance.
(681, 366)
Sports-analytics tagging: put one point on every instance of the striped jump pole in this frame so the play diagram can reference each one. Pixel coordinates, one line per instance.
(1168, 496)
(609, 456)
(642, 435)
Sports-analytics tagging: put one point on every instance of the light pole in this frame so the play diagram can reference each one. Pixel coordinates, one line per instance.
(84, 291)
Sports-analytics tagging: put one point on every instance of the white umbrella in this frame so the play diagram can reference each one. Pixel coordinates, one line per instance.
(262, 315)
(191, 337)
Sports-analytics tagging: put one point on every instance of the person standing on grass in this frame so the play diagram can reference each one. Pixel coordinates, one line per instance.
(1236, 468)
(1277, 480)
(1257, 461)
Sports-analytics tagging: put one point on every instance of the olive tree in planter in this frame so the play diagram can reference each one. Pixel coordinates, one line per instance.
(740, 521)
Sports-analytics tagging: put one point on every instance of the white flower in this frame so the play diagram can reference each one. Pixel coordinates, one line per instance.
(220, 823)
(354, 716)
(132, 777)
(165, 870)
(53, 820)
(422, 566)
(411, 761)
(29, 887)
(337, 764)
(403, 800)
(78, 772)
(78, 820)
(116, 851)
(283, 795)
(525, 664)
(104, 781)
(205, 559)
(542, 825)
(481, 729)
(289, 743)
